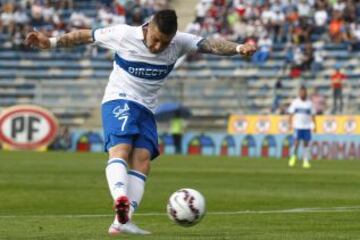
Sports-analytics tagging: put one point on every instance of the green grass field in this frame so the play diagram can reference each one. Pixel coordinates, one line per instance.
(65, 196)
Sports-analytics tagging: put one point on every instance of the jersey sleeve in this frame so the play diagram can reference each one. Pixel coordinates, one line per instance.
(189, 42)
(109, 37)
(291, 109)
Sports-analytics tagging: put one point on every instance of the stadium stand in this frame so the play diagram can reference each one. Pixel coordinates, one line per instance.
(71, 83)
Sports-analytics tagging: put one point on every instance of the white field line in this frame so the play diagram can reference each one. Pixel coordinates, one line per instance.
(278, 211)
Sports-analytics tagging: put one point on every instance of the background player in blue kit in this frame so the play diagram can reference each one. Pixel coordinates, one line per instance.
(144, 56)
(302, 120)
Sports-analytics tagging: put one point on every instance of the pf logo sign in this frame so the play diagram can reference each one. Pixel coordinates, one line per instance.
(27, 127)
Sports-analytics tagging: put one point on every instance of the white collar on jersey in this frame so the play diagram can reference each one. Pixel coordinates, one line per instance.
(139, 31)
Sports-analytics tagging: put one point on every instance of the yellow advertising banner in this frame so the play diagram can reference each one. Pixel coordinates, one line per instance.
(276, 124)
(338, 124)
(255, 124)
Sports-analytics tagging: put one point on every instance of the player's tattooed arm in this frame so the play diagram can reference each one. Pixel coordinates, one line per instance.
(74, 38)
(217, 47)
(225, 48)
(68, 40)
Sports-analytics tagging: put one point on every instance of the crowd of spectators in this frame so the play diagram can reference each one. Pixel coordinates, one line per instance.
(296, 23)
(54, 17)
(264, 22)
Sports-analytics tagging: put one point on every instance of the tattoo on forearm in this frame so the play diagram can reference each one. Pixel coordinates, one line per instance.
(74, 38)
(218, 47)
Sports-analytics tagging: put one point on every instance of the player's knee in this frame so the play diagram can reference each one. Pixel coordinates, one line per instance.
(120, 151)
(120, 154)
(141, 165)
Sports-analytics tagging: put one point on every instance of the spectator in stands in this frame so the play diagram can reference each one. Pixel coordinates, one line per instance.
(292, 15)
(308, 57)
(289, 57)
(20, 16)
(304, 9)
(355, 36)
(137, 17)
(159, 4)
(298, 61)
(266, 16)
(337, 82)
(193, 27)
(277, 22)
(136, 12)
(209, 27)
(201, 9)
(7, 18)
(48, 11)
(236, 25)
(320, 17)
(62, 141)
(177, 129)
(241, 9)
(339, 5)
(19, 36)
(105, 16)
(337, 29)
(277, 95)
(80, 20)
(264, 50)
(317, 64)
(349, 11)
(66, 4)
(254, 29)
(149, 7)
(301, 31)
(319, 102)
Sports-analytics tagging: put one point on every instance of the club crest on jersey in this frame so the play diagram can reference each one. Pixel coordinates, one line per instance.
(119, 111)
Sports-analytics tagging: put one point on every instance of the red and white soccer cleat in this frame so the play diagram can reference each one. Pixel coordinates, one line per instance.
(122, 207)
(128, 228)
(115, 229)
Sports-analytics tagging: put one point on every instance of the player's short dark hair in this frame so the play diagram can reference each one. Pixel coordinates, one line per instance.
(166, 21)
(303, 87)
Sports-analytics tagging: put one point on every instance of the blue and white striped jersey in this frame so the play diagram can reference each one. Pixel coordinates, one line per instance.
(303, 112)
(138, 74)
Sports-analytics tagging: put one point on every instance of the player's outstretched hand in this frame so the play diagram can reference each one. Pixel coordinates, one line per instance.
(247, 50)
(37, 40)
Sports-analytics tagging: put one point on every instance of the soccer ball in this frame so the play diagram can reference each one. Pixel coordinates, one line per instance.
(186, 207)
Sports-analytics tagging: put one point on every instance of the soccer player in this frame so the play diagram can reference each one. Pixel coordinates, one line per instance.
(302, 120)
(144, 57)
